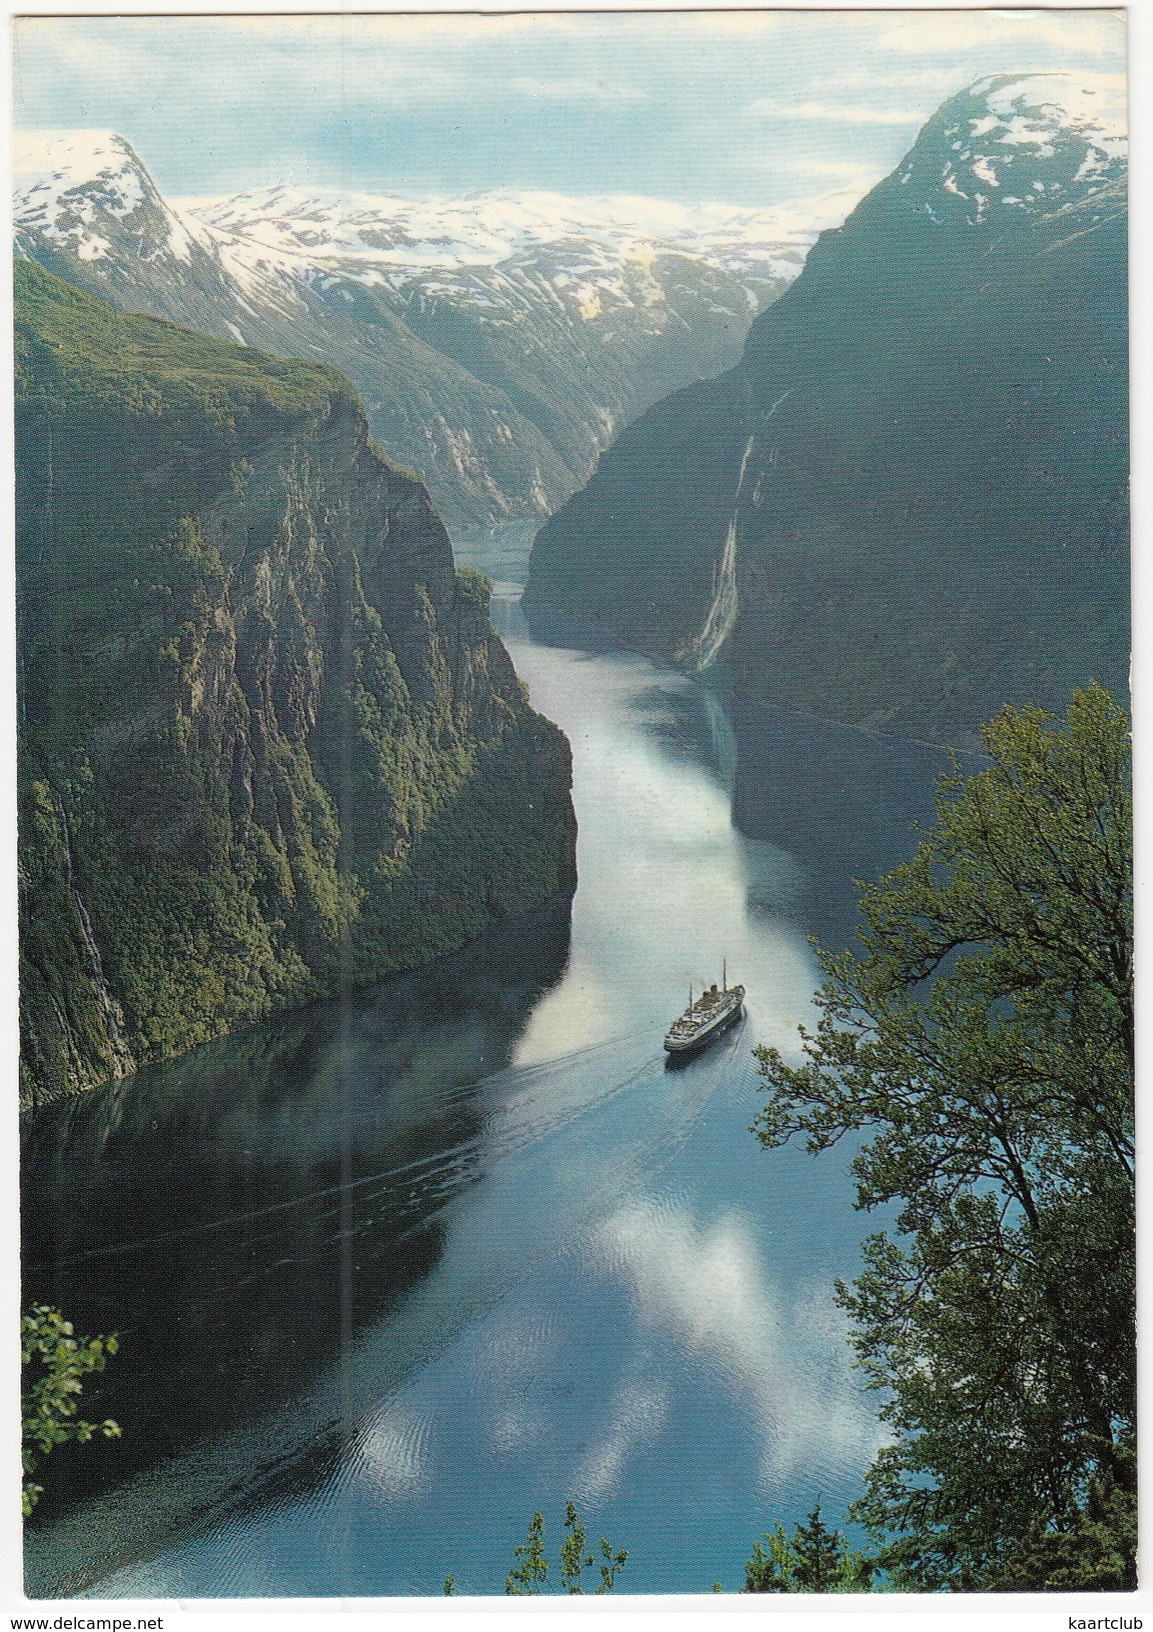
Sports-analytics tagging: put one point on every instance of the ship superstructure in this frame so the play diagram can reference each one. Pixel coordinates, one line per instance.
(713, 1012)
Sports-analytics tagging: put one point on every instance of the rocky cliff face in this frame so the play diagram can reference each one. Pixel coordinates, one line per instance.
(907, 504)
(269, 744)
(498, 342)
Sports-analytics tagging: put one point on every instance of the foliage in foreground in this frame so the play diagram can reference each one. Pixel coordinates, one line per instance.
(54, 1362)
(980, 1046)
(815, 1559)
(530, 1575)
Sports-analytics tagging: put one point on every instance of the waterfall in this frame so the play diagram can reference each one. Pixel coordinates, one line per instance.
(723, 611)
(122, 1060)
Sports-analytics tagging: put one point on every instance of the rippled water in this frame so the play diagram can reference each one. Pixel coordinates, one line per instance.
(393, 1273)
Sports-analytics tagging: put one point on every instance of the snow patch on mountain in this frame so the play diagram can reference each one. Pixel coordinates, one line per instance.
(486, 229)
(1024, 142)
(74, 157)
(499, 340)
(505, 252)
(86, 189)
(1033, 109)
(585, 255)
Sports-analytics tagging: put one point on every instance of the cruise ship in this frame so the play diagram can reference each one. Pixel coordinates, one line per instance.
(712, 1013)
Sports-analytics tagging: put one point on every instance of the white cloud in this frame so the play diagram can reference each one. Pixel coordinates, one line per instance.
(843, 185)
(904, 79)
(582, 90)
(839, 112)
(639, 1411)
(925, 33)
(238, 64)
(844, 169)
(211, 100)
(393, 1451)
(729, 22)
(708, 1285)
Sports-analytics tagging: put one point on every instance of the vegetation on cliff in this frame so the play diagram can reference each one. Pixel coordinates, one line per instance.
(269, 743)
(500, 376)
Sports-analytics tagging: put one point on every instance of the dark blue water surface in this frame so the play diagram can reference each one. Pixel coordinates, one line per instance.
(392, 1273)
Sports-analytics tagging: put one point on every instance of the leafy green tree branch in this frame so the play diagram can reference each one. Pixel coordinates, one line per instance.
(55, 1361)
(814, 1559)
(978, 1048)
(530, 1575)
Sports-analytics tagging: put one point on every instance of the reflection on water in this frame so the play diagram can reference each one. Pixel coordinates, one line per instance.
(840, 801)
(256, 1203)
(394, 1274)
(667, 896)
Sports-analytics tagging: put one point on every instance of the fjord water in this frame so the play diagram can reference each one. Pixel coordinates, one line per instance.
(395, 1272)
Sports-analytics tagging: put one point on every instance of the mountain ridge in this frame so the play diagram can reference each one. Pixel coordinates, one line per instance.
(497, 362)
(920, 460)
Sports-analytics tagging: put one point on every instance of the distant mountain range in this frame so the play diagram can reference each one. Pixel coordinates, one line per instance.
(907, 504)
(499, 341)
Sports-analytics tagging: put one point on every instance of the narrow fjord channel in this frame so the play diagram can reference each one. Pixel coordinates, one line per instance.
(393, 1273)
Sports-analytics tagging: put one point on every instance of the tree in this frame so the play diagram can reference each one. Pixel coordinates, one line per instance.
(817, 1559)
(54, 1361)
(1096, 1553)
(978, 1050)
(529, 1576)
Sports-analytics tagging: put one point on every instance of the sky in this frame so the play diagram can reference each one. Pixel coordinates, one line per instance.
(747, 108)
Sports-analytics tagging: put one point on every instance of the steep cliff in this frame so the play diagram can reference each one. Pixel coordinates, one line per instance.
(498, 341)
(269, 743)
(907, 504)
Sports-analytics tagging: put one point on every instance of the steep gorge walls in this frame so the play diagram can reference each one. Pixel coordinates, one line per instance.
(497, 341)
(907, 505)
(269, 743)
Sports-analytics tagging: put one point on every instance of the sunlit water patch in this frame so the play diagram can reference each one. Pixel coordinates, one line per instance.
(395, 1273)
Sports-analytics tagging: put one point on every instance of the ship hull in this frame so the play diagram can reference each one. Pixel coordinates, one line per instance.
(679, 1047)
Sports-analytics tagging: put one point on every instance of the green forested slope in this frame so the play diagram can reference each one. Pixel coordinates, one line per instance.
(268, 741)
(500, 382)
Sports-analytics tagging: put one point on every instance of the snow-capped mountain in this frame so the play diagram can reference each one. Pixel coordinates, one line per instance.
(71, 186)
(445, 245)
(499, 340)
(1023, 144)
(908, 503)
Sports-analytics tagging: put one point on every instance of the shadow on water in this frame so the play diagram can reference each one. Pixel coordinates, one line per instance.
(840, 801)
(393, 1273)
(239, 1215)
(693, 727)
